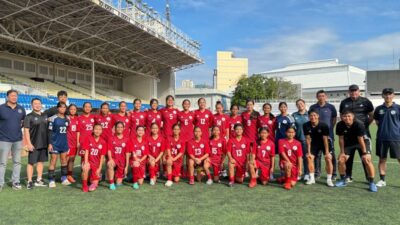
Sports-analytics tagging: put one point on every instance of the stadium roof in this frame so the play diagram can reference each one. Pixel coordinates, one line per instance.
(129, 40)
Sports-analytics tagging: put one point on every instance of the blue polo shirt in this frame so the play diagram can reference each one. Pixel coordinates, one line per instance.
(326, 113)
(299, 120)
(388, 122)
(11, 123)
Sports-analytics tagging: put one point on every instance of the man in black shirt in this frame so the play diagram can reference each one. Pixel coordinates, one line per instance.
(363, 111)
(318, 140)
(63, 98)
(36, 137)
(353, 137)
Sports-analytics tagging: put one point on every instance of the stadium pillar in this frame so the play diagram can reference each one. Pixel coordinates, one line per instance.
(93, 91)
(166, 85)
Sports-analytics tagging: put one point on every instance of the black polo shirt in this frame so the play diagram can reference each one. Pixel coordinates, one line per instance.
(38, 127)
(350, 133)
(316, 133)
(11, 123)
(361, 107)
(51, 112)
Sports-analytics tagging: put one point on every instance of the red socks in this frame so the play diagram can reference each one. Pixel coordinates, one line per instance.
(231, 179)
(69, 173)
(209, 176)
(152, 172)
(84, 183)
(111, 181)
(169, 177)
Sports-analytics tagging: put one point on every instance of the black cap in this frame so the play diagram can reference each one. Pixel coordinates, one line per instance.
(354, 87)
(387, 91)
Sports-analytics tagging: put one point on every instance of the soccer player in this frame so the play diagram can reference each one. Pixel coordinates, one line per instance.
(153, 116)
(221, 120)
(268, 120)
(36, 138)
(94, 148)
(157, 147)
(387, 116)
(353, 137)
(237, 150)
(203, 118)
(318, 141)
(262, 158)
(118, 145)
(138, 118)
(106, 120)
(62, 97)
(301, 117)
(58, 144)
(217, 152)
(137, 157)
(169, 116)
(174, 156)
(234, 119)
(72, 131)
(186, 119)
(85, 127)
(123, 116)
(249, 118)
(198, 151)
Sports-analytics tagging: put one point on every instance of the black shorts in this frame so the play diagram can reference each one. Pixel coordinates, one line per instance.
(348, 150)
(383, 147)
(315, 150)
(38, 155)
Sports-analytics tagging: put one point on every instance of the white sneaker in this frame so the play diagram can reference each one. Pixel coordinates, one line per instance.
(247, 174)
(306, 177)
(152, 182)
(169, 183)
(349, 180)
(66, 182)
(209, 182)
(381, 183)
(224, 173)
(329, 182)
(272, 178)
(310, 181)
(52, 184)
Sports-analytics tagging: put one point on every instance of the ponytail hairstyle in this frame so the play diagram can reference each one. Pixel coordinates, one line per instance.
(254, 114)
(271, 116)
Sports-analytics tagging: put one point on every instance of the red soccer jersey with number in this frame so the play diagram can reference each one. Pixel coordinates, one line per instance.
(293, 150)
(156, 146)
(169, 118)
(153, 117)
(232, 122)
(137, 118)
(107, 123)
(265, 121)
(72, 130)
(204, 120)
(119, 147)
(250, 127)
(217, 149)
(265, 151)
(186, 120)
(126, 120)
(239, 149)
(85, 126)
(176, 146)
(96, 149)
(198, 148)
(221, 121)
(140, 148)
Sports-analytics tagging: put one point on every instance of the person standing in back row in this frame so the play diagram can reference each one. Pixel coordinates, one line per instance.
(364, 112)
(62, 97)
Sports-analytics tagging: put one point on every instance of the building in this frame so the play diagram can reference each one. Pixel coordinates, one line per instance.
(380, 79)
(187, 84)
(329, 75)
(211, 96)
(229, 71)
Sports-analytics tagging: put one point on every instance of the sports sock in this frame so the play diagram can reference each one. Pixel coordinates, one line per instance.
(312, 176)
(69, 173)
(382, 176)
(253, 179)
(231, 179)
(111, 181)
(169, 177)
(38, 178)
(329, 176)
(191, 177)
(209, 176)
(84, 183)
(64, 170)
(51, 175)
(152, 172)
(370, 179)
(342, 176)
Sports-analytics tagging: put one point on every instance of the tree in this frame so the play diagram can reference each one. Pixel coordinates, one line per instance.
(259, 87)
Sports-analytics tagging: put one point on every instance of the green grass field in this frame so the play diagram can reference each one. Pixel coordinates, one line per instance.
(202, 204)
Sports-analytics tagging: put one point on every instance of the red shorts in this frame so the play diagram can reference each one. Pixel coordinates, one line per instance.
(294, 173)
(216, 165)
(119, 169)
(139, 172)
(240, 170)
(93, 175)
(72, 151)
(176, 168)
(264, 169)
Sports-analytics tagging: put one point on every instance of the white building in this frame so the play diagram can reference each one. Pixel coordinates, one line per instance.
(329, 75)
(187, 84)
(211, 96)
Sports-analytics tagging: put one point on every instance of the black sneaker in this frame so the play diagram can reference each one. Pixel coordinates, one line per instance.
(16, 186)
(29, 186)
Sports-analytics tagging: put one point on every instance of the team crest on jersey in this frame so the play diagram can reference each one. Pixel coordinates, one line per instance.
(268, 148)
(201, 146)
(206, 116)
(219, 145)
(174, 112)
(270, 122)
(361, 105)
(158, 144)
(223, 119)
(178, 146)
(319, 131)
(100, 146)
(142, 147)
(190, 117)
(108, 119)
(126, 120)
(243, 146)
(346, 106)
(123, 145)
(36, 118)
(284, 121)
(92, 120)
(158, 116)
(295, 148)
(19, 110)
(66, 124)
(141, 116)
(393, 112)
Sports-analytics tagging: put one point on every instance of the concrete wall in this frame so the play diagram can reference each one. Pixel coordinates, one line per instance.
(139, 86)
(165, 86)
(378, 80)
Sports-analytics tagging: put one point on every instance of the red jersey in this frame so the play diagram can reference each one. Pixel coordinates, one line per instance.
(138, 118)
(156, 146)
(221, 121)
(232, 122)
(186, 120)
(153, 117)
(140, 149)
(107, 123)
(119, 147)
(198, 148)
(204, 120)
(265, 151)
(72, 130)
(239, 149)
(85, 126)
(292, 149)
(176, 146)
(265, 121)
(250, 127)
(169, 118)
(217, 149)
(126, 120)
(96, 149)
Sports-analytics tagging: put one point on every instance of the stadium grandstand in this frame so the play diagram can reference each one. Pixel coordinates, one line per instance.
(110, 50)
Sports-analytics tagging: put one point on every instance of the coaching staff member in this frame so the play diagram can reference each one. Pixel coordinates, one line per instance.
(63, 98)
